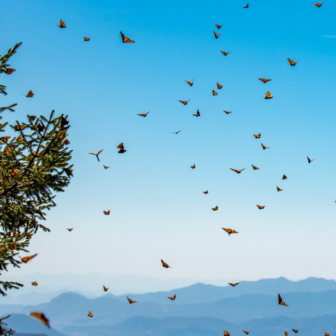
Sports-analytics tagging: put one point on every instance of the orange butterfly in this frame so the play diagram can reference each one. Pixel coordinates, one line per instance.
(62, 24)
(284, 177)
(225, 53)
(214, 93)
(260, 207)
(97, 154)
(106, 167)
(264, 80)
(279, 189)
(32, 118)
(41, 317)
(218, 26)
(126, 39)
(9, 71)
(309, 159)
(257, 136)
(121, 145)
(121, 151)
(227, 112)
(215, 208)
(286, 333)
(217, 35)
(70, 229)
(246, 332)
(30, 94)
(34, 283)
(247, 6)
(205, 192)
(5, 138)
(254, 167)
(296, 330)
(263, 147)
(172, 297)
(86, 39)
(292, 63)
(130, 301)
(165, 265)
(237, 171)
(106, 212)
(234, 284)
(184, 102)
(193, 167)
(326, 334)
(280, 301)
(229, 231)
(318, 4)
(190, 83)
(105, 288)
(197, 114)
(90, 314)
(226, 333)
(268, 95)
(26, 259)
(143, 114)
(219, 86)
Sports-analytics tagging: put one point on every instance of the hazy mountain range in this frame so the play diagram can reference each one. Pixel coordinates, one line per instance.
(198, 310)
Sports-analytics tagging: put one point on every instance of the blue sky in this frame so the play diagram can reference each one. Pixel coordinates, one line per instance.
(157, 206)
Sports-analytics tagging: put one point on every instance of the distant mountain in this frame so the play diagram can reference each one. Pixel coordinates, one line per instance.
(24, 325)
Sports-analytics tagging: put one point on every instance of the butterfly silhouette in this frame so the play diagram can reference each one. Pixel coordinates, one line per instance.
(130, 301)
(30, 94)
(233, 284)
(226, 333)
(225, 53)
(205, 192)
(126, 39)
(90, 314)
(105, 288)
(9, 71)
(284, 177)
(41, 317)
(218, 26)
(246, 332)
(263, 147)
(184, 102)
(86, 39)
(106, 212)
(193, 167)
(165, 265)
(254, 167)
(264, 80)
(227, 112)
(268, 95)
(326, 334)
(279, 189)
(318, 4)
(97, 154)
(229, 231)
(214, 93)
(260, 207)
(257, 136)
(296, 330)
(34, 283)
(217, 35)
(292, 63)
(26, 259)
(286, 333)
(190, 83)
(177, 132)
(197, 114)
(309, 160)
(106, 167)
(121, 148)
(32, 118)
(237, 171)
(280, 301)
(219, 86)
(70, 229)
(215, 208)
(247, 6)
(62, 24)
(172, 297)
(143, 114)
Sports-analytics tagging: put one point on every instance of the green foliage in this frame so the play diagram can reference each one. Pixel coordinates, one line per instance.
(33, 166)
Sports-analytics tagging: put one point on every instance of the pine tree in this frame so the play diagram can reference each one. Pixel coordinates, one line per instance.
(34, 165)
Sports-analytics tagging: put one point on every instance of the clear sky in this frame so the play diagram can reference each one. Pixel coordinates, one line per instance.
(158, 210)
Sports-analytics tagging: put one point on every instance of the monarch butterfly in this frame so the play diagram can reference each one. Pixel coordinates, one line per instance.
(34, 283)
(318, 4)
(106, 167)
(90, 314)
(227, 112)
(217, 35)
(254, 167)
(309, 160)
(263, 146)
(286, 333)
(215, 208)
(284, 177)
(30, 94)
(292, 63)
(62, 24)
(130, 301)
(229, 231)
(296, 330)
(105, 288)
(268, 95)
(9, 71)
(165, 265)
(205, 192)
(246, 332)
(280, 301)
(190, 83)
(218, 26)
(177, 132)
(143, 114)
(172, 297)
(237, 171)
(106, 212)
(41, 317)
(257, 136)
(97, 154)
(121, 151)
(214, 93)
(197, 114)
(326, 334)
(193, 167)
(264, 80)
(261, 206)
(219, 86)
(247, 6)
(32, 118)
(70, 229)
(26, 259)
(226, 333)
(126, 39)
(86, 39)
(225, 53)
(279, 189)
(5, 138)
(121, 146)
(184, 102)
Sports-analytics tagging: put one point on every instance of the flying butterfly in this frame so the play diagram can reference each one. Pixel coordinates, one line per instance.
(237, 171)
(30, 94)
(246, 332)
(143, 114)
(229, 231)
(193, 167)
(318, 4)
(279, 189)
(268, 95)
(70, 229)
(31, 117)
(280, 301)
(177, 132)
(26, 259)
(264, 80)
(296, 330)
(215, 208)
(260, 207)
(190, 83)
(34, 283)
(86, 39)
(105, 288)
(9, 71)
(97, 154)
(218, 26)
(217, 35)
(198, 114)
(126, 39)
(263, 146)
(247, 6)
(130, 301)
(106, 167)
(326, 334)
(226, 333)
(106, 212)
(309, 160)
(62, 24)
(205, 192)
(257, 136)
(254, 167)
(225, 53)
(165, 265)
(286, 333)
(292, 63)
(227, 112)
(233, 284)
(172, 297)
(90, 314)
(214, 93)
(41, 317)
(284, 177)
(219, 86)
(184, 102)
